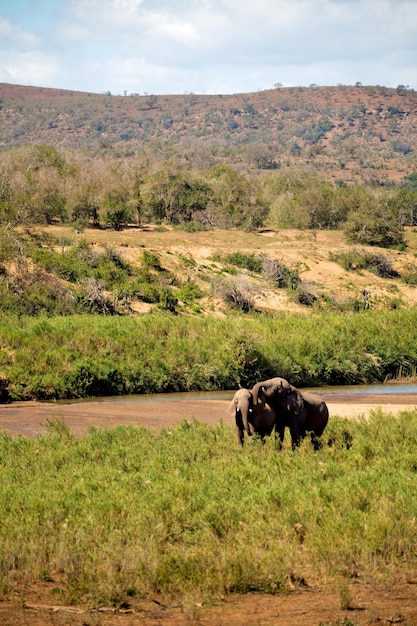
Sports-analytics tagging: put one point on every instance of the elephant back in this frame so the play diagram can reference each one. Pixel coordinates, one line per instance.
(317, 413)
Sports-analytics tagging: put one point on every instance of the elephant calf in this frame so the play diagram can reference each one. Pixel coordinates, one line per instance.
(254, 418)
(301, 412)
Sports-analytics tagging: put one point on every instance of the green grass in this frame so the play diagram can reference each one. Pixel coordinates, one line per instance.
(82, 356)
(125, 514)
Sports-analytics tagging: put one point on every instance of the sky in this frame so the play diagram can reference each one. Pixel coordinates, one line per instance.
(206, 46)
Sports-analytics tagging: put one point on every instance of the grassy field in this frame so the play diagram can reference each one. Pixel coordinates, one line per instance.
(125, 513)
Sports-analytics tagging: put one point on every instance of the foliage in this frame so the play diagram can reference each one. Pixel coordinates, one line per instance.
(278, 273)
(174, 196)
(244, 260)
(41, 184)
(375, 224)
(120, 515)
(236, 200)
(360, 258)
(163, 353)
(404, 204)
(117, 211)
(304, 201)
(77, 263)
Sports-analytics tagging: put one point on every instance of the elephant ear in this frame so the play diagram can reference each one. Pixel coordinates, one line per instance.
(294, 402)
(232, 407)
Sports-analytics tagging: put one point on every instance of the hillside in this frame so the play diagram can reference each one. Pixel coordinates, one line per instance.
(361, 134)
(139, 270)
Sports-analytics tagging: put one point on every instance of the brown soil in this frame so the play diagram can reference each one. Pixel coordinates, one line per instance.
(370, 606)
(393, 602)
(31, 418)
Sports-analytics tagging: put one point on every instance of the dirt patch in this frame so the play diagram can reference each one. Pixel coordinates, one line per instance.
(368, 606)
(390, 603)
(31, 418)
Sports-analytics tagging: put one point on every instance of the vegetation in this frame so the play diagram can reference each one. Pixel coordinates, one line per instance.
(125, 514)
(121, 515)
(358, 259)
(43, 185)
(361, 136)
(81, 356)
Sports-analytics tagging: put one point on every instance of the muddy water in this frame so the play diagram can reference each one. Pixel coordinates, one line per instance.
(343, 393)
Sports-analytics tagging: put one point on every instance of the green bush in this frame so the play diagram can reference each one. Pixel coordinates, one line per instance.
(247, 261)
(361, 259)
(190, 292)
(375, 224)
(167, 300)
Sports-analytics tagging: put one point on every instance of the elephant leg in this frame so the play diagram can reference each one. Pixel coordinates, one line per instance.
(316, 441)
(297, 434)
(280, 431)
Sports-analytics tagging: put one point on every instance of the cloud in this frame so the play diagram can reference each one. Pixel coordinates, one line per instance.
(15, 37)
(22, 60)
(213, 46)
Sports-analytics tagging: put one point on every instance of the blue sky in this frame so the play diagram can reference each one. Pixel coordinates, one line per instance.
(206, 46)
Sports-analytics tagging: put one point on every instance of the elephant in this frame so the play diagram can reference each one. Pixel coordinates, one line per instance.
(253, 418)
(301, 412)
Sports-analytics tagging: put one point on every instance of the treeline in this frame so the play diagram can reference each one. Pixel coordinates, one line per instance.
(40, 184)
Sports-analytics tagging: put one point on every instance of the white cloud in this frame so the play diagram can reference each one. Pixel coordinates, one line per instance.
(28, 68)
(13, 36)
(162, 46)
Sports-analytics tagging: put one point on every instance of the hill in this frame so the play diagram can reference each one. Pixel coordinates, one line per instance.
(347, 134)
(208, 273)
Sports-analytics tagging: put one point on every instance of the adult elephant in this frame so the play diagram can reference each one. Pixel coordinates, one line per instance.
(301, 412)
(251, 417)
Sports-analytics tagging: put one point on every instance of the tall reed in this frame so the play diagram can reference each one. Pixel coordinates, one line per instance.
(89, 356)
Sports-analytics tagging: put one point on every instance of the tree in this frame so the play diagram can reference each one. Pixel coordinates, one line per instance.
(236, 200)
(404, 205)
(174, 196)
(118, 212)
(325, 206)
(375, 224)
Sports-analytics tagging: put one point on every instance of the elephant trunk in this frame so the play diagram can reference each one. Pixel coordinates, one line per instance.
(244, 411)
(255, 393)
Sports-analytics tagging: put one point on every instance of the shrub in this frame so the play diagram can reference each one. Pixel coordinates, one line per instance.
(361, 259)
(167, 300)
(302, 295)
(237, 292)
(151, 260)
(376, 225)
(247, 261)
(280, 274)
(190, 292)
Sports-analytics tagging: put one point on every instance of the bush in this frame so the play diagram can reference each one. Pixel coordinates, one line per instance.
(251, 262)
(190, 292)
(375, 225)
(167, 300)
(237, 292)
(280, 274)
(302, 295)
(361, 259)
